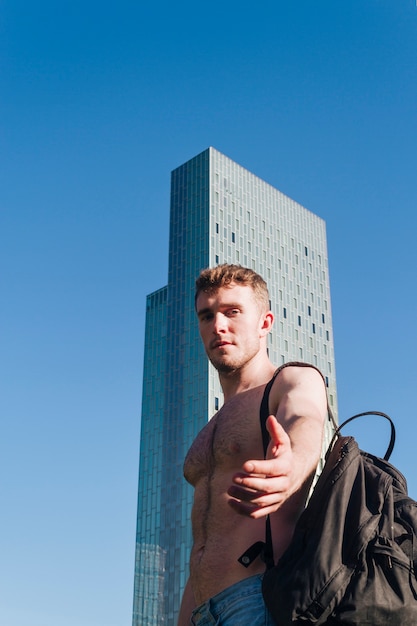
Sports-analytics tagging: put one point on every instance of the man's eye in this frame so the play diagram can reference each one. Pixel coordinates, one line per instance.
(233, 312)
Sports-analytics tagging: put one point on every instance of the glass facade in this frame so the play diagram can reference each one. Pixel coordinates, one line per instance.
(148, 602)
(220, 212)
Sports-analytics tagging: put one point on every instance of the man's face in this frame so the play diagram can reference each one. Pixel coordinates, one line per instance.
(231, 324)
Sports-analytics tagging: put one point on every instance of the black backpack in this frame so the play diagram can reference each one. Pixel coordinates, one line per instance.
(353, 557)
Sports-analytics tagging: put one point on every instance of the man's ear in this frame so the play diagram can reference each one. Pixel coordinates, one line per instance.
(267, 323)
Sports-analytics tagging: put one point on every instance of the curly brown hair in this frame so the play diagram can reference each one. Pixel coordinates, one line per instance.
(213, 278)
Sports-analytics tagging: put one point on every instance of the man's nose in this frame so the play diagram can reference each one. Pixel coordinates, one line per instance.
(219, 325)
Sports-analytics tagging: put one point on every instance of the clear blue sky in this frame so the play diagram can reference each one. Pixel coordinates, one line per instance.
(99, 101)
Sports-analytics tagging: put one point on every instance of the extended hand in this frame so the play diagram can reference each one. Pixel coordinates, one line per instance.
(263, 485)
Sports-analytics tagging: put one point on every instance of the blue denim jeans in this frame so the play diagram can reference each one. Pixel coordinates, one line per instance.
(239, 605)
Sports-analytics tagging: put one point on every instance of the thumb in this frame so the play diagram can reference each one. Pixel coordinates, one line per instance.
(279, 437)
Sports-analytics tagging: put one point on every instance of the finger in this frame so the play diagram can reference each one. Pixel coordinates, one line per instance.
(250, 510)
(252, 486)
(261, 495)
(279, 438)
(265, 468)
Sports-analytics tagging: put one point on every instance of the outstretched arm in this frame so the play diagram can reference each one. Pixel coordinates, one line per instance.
(296, 432)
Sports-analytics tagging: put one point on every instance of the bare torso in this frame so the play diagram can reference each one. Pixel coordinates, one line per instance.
(221, 536)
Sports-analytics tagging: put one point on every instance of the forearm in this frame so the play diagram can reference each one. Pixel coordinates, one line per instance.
(305, 430)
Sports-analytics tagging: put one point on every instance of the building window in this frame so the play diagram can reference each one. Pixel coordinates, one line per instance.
(299, 320)
(314, 328)
(233, 237)
(216, 404)
(285, 313)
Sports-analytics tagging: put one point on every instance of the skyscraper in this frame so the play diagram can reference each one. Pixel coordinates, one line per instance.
(220, 213)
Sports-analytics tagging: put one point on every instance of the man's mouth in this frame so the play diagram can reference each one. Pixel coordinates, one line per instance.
(219, 344)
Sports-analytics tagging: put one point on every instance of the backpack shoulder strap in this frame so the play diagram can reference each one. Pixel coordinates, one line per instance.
(263, 548)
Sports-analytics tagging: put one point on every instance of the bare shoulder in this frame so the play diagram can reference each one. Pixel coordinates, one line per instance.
(301, 381)
(295, 374)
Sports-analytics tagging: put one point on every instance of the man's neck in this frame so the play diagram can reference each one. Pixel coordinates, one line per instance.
(252, 375)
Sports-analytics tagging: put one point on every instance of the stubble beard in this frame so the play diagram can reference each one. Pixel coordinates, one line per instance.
(227, 365)
(223, 367)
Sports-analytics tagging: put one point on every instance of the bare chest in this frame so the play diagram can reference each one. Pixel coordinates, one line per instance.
(231, 437)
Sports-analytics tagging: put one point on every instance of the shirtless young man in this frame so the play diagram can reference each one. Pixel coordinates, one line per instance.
(235, 487)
